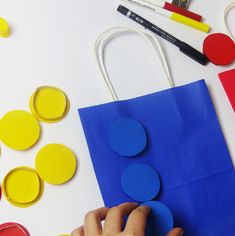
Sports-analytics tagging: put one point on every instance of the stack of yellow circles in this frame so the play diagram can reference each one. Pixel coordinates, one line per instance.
(19, 130)
(49, 104)
(56, 163)
(22, 187)
(4, 28)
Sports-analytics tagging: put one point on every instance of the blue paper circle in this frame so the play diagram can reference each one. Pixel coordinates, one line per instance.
(127, 137)
(160, 220)
(140, 182)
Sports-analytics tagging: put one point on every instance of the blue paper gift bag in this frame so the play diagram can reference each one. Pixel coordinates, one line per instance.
(205, 207)
(185, 145)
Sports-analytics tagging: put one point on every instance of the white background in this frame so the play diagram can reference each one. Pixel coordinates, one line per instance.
(51, 44)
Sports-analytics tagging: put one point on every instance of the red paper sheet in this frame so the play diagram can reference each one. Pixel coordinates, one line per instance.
(227, 78)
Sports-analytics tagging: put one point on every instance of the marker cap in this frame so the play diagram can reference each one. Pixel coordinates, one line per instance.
(122, 9)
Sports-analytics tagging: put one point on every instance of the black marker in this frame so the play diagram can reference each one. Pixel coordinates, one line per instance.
(184, 47)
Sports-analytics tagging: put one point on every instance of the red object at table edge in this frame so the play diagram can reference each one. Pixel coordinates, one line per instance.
(227, 79)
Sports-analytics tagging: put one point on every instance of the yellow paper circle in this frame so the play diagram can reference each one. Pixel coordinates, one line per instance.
(55, 163)
(49, 104)
(4, 28)
(22, 187)
(19, 130)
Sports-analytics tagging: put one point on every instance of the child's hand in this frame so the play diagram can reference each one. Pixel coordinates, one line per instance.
(113, 225)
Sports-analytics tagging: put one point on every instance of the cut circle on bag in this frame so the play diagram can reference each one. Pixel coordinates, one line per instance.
(219, 49)
(19, 130)
(49, 104)
(56, 163)
(11, 228)
(127, 137)
(160, 220)
(22, 187)
(140, 182)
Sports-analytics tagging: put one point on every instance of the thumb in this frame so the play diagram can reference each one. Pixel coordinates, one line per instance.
(176, 232)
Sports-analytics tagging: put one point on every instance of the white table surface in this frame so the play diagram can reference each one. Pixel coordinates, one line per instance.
(51, 44)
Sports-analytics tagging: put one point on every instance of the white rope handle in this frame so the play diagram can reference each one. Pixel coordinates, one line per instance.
(107, 35)
(228, 8)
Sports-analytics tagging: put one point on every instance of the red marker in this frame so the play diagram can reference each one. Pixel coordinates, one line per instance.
(170, 7)
(182, 11)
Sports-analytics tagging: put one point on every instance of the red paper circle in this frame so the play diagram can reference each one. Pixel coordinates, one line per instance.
(219, 49)
(13, 229)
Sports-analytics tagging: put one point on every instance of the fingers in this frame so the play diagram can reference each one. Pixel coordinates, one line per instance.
(136, 222)
(78, 232)
(92, 225)
(176, 232)
(115, 217)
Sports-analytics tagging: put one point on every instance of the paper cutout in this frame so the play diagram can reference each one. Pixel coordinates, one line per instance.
(127, 137)
(140, 182)
(160, 220)
(219, 48)
(227, 79)
(13, 229)
(55, 163)
(22, 187)
(0, 193)
(19, 130)
(49, 104)
(4, 28)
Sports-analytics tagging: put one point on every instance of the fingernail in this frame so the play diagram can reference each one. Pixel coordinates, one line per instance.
(181, 233)
(134, 203)
(146, 208)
